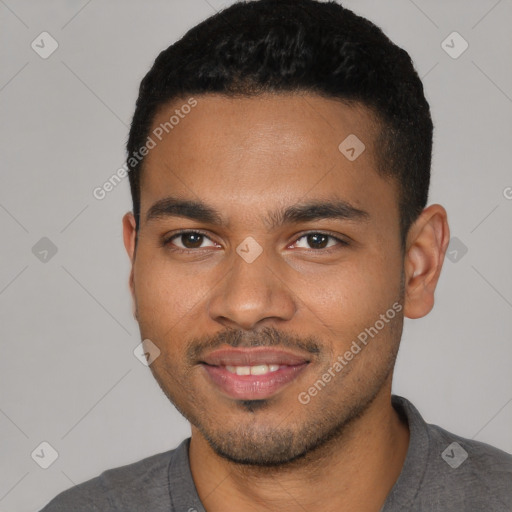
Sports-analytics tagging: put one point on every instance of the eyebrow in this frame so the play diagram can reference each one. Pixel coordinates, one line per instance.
(302, 212)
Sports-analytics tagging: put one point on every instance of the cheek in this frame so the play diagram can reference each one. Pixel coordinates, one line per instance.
(164, 296)
(351, 296)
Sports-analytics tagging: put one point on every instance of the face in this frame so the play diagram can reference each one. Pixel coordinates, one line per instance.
(278, 311)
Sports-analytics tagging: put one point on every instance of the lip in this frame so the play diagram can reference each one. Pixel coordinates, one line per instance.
(252, 356)
(252, 387)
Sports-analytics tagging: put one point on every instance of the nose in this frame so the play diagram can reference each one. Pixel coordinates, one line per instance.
(252, 293)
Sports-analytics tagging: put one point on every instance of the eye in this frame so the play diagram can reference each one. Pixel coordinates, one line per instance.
(190, 240)
(318, 240)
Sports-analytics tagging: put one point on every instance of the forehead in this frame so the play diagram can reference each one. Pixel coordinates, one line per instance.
(242, 154)
(286, 123)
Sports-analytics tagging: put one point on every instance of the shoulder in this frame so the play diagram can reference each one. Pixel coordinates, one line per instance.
(472, 462)
(127, 487)
(454, 472)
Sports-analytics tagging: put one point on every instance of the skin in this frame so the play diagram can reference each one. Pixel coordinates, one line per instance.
(247, 157)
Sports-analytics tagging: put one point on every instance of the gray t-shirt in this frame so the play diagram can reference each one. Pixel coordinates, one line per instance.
(442, 472)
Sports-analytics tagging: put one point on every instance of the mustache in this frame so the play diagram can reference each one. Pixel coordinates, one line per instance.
(238, 338)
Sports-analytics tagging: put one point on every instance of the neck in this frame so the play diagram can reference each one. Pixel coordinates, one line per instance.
(354, 471)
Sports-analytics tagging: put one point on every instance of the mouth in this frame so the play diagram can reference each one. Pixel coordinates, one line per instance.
(252, 374)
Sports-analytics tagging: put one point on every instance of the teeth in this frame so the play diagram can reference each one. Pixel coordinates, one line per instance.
(259, 369)
(243, 370)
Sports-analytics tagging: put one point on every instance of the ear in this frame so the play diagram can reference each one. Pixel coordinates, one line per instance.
(426, 246)
(129, 237)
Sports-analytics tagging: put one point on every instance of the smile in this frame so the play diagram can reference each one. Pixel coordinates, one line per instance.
(258, 369)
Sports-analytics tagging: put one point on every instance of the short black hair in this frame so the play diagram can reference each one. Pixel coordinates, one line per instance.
(276, 46)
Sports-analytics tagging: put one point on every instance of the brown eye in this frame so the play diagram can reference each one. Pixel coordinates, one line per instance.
(188, 240)
(319, 241)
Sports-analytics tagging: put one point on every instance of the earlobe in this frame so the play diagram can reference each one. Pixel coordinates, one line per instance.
(427, 242)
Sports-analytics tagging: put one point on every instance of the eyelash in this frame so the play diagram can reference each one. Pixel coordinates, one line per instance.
(168, 239)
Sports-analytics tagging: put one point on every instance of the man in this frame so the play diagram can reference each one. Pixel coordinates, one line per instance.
(279, 163)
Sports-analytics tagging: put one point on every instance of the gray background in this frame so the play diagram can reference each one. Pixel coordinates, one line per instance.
(68, 375)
